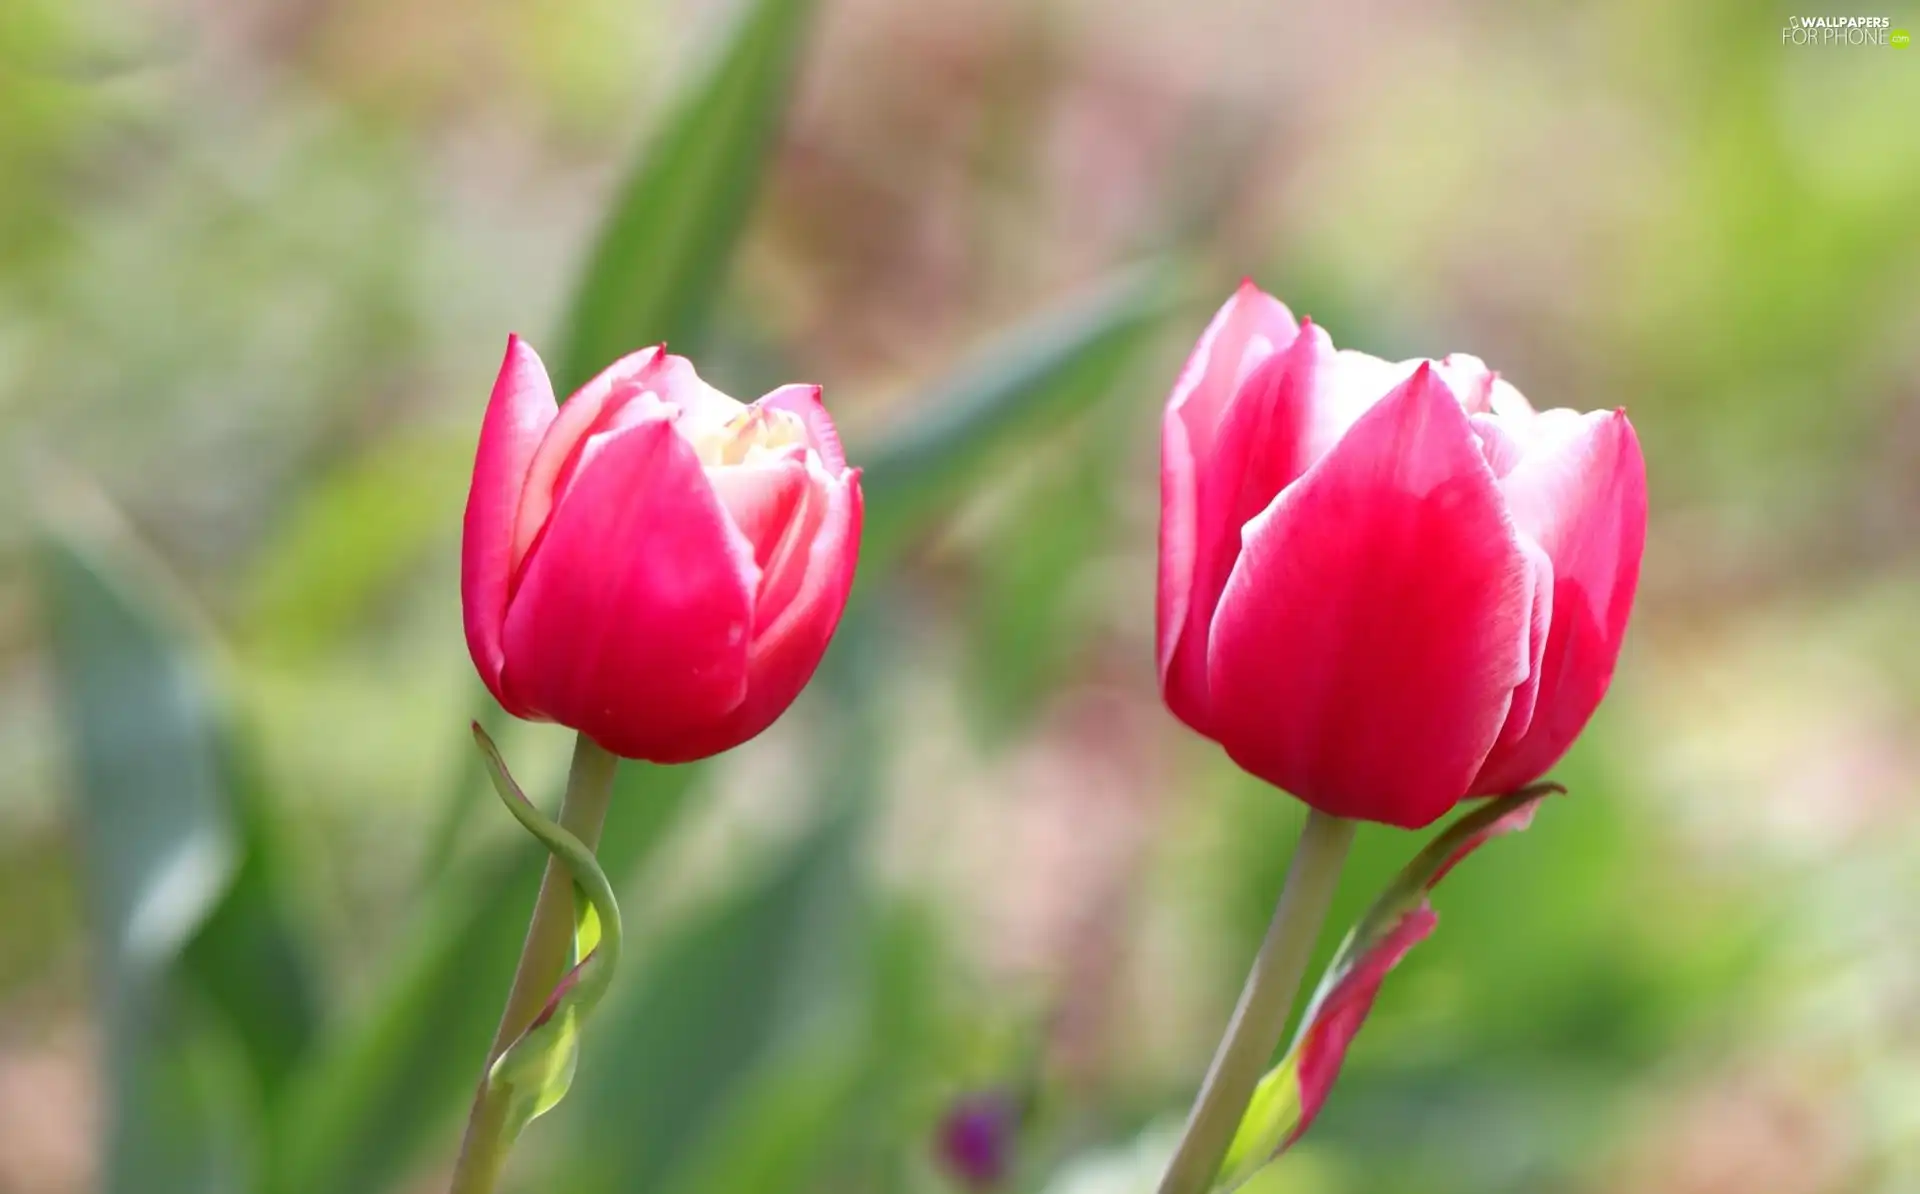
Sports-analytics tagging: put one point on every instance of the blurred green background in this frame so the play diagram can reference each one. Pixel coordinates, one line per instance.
(257, 265)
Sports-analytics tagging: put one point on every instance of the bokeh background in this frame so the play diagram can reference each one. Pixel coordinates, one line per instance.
(257, 265)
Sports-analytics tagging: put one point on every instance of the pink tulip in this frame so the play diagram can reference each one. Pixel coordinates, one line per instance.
(1386, 587)
(654, 564)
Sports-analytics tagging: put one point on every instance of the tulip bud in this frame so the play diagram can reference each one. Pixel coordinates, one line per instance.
(1385, 587)
(654, 564)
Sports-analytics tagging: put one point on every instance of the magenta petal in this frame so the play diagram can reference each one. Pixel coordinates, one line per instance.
(814, 575)
(1258, 451)
(518, 414)
(1369, 640)
(632, 619)
(1249, 328)
(1583, 498)
(1335, 1018)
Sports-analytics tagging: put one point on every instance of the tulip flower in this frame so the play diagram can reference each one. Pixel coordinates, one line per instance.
(654, 564)
(1386, 587)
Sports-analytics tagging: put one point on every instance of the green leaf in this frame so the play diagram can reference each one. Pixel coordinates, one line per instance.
(158, 848)
(669, 237)
(1033, 377)
(352, 537)
(682, 1042)
(780, 1127)
(248, 960)
(1029, 617)
(534, 1072)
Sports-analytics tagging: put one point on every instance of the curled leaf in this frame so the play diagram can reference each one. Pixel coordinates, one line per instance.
(534, 1072)
(1290, 1096)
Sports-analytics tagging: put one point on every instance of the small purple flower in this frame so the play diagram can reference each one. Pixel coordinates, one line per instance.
(975, 1142)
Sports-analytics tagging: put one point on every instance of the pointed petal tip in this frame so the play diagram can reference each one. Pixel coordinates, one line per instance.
(518, 349)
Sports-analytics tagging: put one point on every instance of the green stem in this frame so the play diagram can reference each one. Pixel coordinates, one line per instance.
(543, 962)
(1265, 1002)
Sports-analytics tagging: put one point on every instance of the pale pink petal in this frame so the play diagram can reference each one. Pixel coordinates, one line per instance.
(784, 571)
(1469, 379)
(1539, 630)
(1252, 326)
(814, 568)
(1350, 387)
(1583, 499)
(1249, 328)
(632, 619)
(1508, 402)
(703, 409)
(762, 498)
(1257, 453)
(1179, 551)
(629, 373)
(805, 402)
(1497, 443)
(1369, 640)
(517, 417)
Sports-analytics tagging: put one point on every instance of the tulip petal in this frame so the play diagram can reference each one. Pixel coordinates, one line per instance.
(812, 576)
(594, 407)
(1249, 328)
(762, 498)
(1257, 453)
(702, 410)
(821, 435)
(1526, 697)
(632, 617)
(1581, 494)
(1469, 379)
(636, 371)
(1509, 403)
(1498, 443)
(1252, 326)
(1370, 637)
(518, 414)
(785, 569)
